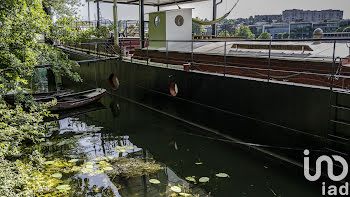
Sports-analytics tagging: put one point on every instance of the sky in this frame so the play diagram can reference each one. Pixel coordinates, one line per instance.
(244, 9)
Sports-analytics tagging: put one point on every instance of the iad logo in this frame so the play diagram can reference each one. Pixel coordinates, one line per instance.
(332, 189)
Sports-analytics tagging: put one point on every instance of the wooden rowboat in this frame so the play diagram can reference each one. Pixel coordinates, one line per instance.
(10, 98)
(74, 100)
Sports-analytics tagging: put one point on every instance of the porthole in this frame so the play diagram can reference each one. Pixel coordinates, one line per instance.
(156, 21)
(173, 89)
(179, 20)
(113, 81)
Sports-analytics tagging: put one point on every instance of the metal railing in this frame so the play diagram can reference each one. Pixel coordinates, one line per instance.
(101, 50)
(304, 67)
(273, 60)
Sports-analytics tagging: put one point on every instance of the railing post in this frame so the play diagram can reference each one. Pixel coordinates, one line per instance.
(269, 61)
(147, 51)
(191, 55)
(105, 51)
(167, 58)
(129, 50)
(225, 59)
(333, 66)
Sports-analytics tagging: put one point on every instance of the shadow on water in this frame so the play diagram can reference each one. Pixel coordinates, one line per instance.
(177, 147)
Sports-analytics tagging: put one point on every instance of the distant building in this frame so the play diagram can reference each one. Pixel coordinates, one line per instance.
(296, 15)
(301, 30)
(327, 26)
(268, 18)
(257, 29)
(337, 35)
(276, 29)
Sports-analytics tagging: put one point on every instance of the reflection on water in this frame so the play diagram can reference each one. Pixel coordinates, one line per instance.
(98, 135)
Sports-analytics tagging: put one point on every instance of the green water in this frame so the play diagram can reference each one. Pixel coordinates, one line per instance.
(94, 132)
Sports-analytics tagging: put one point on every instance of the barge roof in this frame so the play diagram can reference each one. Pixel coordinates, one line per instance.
(306, 51)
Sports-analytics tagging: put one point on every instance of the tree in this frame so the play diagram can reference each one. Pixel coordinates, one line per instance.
(264, 36)
(22, 24)
(197, 29)
(285, 35)
(245, 32)
(280, 36)
(60, 8)
(224, 33)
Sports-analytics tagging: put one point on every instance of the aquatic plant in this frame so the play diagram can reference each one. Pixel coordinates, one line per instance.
(130, 167)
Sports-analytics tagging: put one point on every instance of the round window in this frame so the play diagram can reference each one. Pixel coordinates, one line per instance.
(179, 20)
(157, 21)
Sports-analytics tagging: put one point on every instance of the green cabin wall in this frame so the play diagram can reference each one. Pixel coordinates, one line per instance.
(157, 33)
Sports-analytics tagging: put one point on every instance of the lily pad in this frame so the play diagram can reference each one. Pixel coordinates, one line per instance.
(123, 148)
(110, 158)
(175, 189)
(190, 178)
(108, 168)
(154, 181)
(49, 162)
(57, 175)
(63, 187)
(222, 175)
(185, 194)
(89, 166)
(73, 160)
(203, 179)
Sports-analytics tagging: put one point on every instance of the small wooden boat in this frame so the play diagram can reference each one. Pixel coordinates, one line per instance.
(10, 98)
(74, 100)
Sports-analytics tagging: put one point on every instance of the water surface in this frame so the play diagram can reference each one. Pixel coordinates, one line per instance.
(95, 131)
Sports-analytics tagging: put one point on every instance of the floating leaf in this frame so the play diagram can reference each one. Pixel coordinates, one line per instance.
(154, 181)
(175, 189)
(110, 158)
(57, 175)
(190, 178)
(123, 148)
(185, 194)
(108, 168)
(204, 179)
(63, 187)
(73, 160)
(199, 163)
(76, 168)
(129, 147)
(222, 175)
(89, 166)
(49, 162)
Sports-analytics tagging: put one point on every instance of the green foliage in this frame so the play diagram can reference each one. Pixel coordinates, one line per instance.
(197, 29)
(282, 36)
(23, 24)
(285, 35)
(62, 7)
(245, 32)
(224, 34)
(264, 36)
(103, 32)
